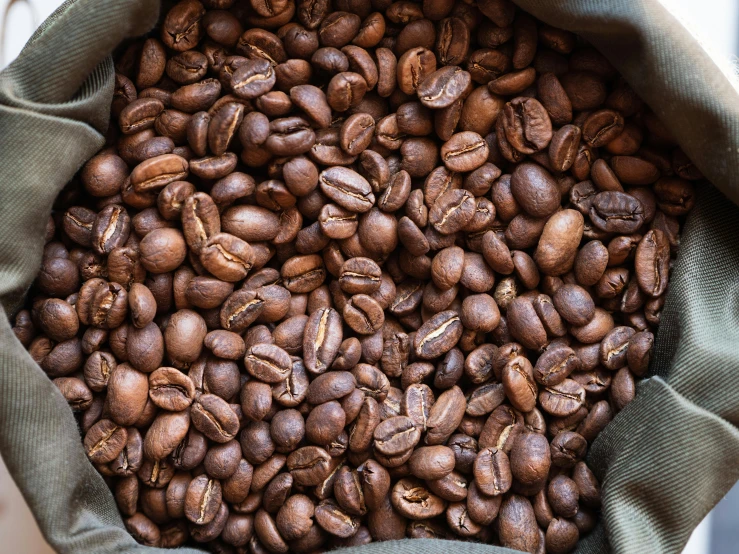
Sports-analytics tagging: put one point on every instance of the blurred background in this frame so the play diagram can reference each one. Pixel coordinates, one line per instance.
(715, 23)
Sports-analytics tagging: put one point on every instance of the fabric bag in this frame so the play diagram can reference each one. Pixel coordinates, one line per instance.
(664, 461)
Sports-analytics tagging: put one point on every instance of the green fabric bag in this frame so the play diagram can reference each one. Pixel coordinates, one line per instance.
(664, 462)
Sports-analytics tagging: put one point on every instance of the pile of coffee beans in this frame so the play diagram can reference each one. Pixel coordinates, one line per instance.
(358, 270)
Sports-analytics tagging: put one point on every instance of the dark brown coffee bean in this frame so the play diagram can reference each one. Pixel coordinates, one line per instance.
(519, 384)
(652, 263)
(438, 335)
(616, 212)
(396, 435)
(252, 79)
(601, 127)
(413, 500)
(170, 389)
(492, 472)
(203, 500)
(321, 340)
(465, 151)
(517, 524)
(165, 433)
(562, 399)
(268, 363)
(104, 441)
(345, 90)
(555, 365)
(413, 67)
(535, 190)
(443, 87)
(363, 314)
(445, 416)
(347, 188)
(213, 417)
(309, 465)
(527, 125)
(557, 248)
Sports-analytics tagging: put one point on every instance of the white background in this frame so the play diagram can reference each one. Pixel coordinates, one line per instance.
(713, 22)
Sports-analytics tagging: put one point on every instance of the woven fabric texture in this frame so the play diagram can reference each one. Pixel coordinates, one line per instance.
(54, 102)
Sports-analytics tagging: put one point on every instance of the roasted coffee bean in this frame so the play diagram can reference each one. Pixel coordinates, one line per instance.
(465, 151)
(519, 384)
(517, 524)
(443, 87)
(396, 435)
(268, 363)
(438, 335)
(309, 465)
(652, 263)
(213, 417)
(616, 212)
(165, 433)
(562, 399)
(203, 499)
(445, 416)
(555, 365)
(104, 441)
(321, 340)
(347, 188)
(170, 389)
(492, 472)
(527, 125)
(413, 500)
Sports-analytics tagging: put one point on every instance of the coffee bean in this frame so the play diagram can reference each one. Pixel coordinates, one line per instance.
(413, 500)
(104, 441)
(557, 248)
(309, 465)
(213, 417)
(321, 340)
(413, 67)
(555, 365)
(527, 125)
(438, 335)
(616, 212)
(465, 151)
(563, 398)
(443, 87)
(652, 263)
(445, 416)
(347, 188)
(492, 472)
(165, 433)
(518, 383)
(203, 499)
(517, 524)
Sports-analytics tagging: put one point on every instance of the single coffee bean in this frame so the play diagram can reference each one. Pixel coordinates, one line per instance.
(652, 263)
(268, 363)
(563, 398)
(465, 151)
(213, 417)
(527, 125)
(202, 500)
(413, 500)
(438, 335)
(517, 524)
(492, 472)
(616, 212)
(396, 435)
(443, 87)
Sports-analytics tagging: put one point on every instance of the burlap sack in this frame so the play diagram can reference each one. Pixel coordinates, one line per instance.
(664, 461)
